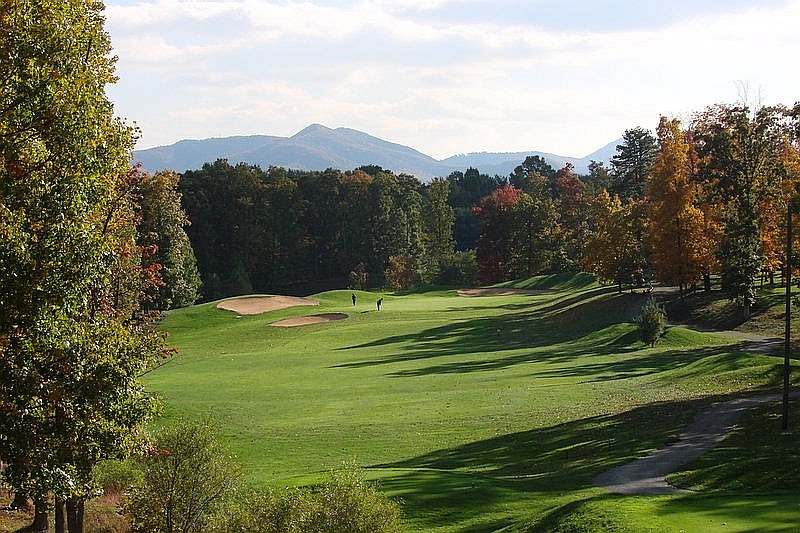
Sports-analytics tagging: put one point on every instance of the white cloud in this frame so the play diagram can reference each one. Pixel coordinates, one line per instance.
(402, 71)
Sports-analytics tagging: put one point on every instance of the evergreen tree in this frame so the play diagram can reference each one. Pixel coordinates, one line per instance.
(652, 322)
(631, 164)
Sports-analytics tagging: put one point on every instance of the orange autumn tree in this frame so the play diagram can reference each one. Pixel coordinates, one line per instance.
(613, 251)
(680, 248)
(790, 189)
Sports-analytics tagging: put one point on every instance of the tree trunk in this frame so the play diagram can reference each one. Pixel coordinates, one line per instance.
(40, 519)
(707, 282)
(75, 515)
(60, 517)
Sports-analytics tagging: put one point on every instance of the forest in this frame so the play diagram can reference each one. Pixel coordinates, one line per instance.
(675, 206)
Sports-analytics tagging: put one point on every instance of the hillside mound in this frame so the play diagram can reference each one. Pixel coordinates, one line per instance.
(500, 291)
(310, 319)
(254, 305)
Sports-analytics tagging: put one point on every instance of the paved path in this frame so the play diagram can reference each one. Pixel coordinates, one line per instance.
(646, 475)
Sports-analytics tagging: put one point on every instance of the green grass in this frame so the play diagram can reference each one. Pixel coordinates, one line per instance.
(482, 414)
(677, 513)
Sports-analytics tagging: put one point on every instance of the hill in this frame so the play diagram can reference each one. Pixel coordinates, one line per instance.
(318, 147)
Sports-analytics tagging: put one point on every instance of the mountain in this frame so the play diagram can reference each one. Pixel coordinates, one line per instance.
(318, 147)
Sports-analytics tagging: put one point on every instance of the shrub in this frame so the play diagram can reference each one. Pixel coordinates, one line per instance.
(116, 476)
(344, 502)
(186, 479)
(652, 321)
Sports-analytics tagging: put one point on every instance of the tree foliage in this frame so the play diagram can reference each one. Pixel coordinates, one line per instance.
(495, 246)
(681, 253)
(740, 163)
(652, 322)
(162, 223)
(573, 224)
(187, 476)
(71, 339)
(344, 501)
(631, 164)
(614, 248)
(438, 219)
(467, 189)
(402, 272)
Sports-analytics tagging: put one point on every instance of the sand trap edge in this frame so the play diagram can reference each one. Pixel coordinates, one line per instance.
(310, 319)
(255, 305)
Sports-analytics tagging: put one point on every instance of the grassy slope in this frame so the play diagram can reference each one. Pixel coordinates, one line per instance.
(481, 413)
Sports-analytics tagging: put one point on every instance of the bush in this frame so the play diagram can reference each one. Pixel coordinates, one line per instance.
(116, 476)
(651, 322)
(344, 502)
(358, 277)
(186, 479)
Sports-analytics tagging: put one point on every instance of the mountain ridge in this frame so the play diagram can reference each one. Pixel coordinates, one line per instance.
(318, 147)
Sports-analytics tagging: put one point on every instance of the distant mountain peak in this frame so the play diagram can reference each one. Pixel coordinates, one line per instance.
(318, 147)
(312, 129)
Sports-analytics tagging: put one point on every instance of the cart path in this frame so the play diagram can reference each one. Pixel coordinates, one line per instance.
(646, 475)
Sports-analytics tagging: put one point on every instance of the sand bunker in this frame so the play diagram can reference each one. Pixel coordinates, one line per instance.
(500, 291)
(311, 319)
(254, 305)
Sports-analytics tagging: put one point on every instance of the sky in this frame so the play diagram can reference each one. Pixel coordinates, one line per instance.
(446, 77)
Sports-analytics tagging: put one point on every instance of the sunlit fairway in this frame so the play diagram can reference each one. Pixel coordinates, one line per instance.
(481, 413)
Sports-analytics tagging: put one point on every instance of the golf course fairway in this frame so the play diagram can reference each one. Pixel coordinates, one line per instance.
(482, 412)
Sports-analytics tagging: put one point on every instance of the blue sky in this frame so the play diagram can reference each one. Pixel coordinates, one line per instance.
(445, 77)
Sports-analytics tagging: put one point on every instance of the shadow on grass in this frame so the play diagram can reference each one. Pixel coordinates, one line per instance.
(735, 512)
(465, 482)
(594, 320)
(748, 459)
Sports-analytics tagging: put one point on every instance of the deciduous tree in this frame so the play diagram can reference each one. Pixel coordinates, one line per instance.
(676, 225)
(72, 346)
(740, 164)
(613, 250)
(438, 218)
(572, 221)
(162, 223)
(495, 245)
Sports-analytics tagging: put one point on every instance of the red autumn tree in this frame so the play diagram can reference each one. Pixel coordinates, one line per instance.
(494, 250)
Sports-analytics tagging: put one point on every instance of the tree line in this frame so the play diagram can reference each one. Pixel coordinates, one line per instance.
(677, 206)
